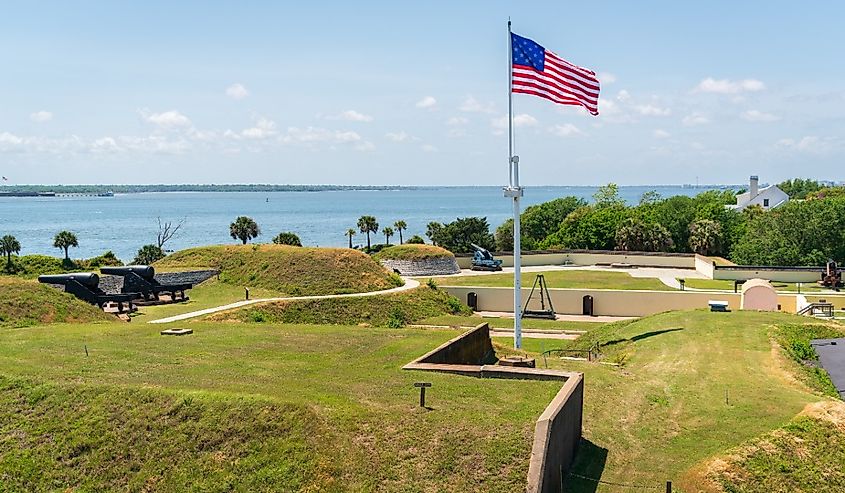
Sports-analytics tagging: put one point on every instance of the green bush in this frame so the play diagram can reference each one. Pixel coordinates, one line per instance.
(415, 240)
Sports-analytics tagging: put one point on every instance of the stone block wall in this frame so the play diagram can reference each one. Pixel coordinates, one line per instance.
(425, 267)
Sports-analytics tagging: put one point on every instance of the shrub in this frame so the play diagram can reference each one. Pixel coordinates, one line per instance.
(396, 319)
(148, 254)
(431, 283)
(287, 238)
(416, 240)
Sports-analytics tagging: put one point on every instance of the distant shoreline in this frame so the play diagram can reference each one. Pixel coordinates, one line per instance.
(35, 190)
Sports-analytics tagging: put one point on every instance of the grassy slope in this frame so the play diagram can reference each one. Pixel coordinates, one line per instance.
(587, 279)
(208, 294)
(292, 270)
(413, 252)
(805, 455)
(369, 432)
(112, 438)
(665, 411)
(404, 307)
(24, 302)
(32, 266)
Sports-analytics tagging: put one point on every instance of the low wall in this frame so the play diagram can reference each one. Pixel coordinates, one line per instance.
(591, 257)
(777, 274)
(556, 438)
(619, 303)
(470, 348)
(424, 267)
(557, 432)
(704, 266)
(837, 300)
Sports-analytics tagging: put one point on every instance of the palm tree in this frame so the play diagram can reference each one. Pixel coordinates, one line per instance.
(368, 224)
(65, 240)
(9, 245)
(400, 225)
(432, 229)
(350, 233)
(244, 228)
(388, 232)
(705, 237)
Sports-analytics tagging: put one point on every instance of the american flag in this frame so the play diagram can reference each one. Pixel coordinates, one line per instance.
(540, 72)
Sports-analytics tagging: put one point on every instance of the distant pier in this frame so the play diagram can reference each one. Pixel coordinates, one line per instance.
(54, 194)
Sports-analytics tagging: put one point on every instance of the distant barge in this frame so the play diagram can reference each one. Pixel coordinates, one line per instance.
(54, 194)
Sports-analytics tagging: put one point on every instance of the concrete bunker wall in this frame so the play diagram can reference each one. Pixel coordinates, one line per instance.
(557, 432)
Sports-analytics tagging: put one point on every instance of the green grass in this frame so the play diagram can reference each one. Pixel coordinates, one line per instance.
(297, 271)
(584, 279)
(388, 310)
(327, 407)
(507, 323)
(26, 302)
(803, 456)
(413, 252)
(664, 411)
(208, 294)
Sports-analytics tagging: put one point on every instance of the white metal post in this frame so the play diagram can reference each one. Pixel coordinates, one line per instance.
(514, 192)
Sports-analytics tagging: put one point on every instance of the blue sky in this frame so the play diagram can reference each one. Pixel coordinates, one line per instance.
(415, 93)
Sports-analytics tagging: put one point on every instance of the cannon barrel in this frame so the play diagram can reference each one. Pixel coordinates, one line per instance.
(144, 271)
(88, 279)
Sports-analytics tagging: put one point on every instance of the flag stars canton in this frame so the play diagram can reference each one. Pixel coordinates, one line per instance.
(527, 52)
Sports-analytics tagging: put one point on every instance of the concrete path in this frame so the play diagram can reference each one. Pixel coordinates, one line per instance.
(409, 284)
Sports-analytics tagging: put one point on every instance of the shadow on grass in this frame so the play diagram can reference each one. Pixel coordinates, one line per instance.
(589, 463)
(642, 336)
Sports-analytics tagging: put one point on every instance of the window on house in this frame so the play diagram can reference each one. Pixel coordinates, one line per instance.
(765, 202)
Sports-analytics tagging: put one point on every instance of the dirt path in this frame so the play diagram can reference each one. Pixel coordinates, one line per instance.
(409, 284)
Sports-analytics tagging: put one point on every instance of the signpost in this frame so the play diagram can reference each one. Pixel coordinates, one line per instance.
(422, 386)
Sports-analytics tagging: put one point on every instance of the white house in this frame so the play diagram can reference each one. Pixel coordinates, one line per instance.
(767, 198)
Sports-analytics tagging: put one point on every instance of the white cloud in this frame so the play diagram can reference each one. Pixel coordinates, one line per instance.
(351, 116)
(758, 116)
(661, 134)
(428, 148)
(811, 144)
(521, 120)
(311, 135)
(166, 120)
(651, 110)
(264, 128)
(623, 95)
(472, 105)
(606, 78)
(365, 146)
(726, 86)
(41, 116)
(427, 102)
(694, 119)
(237, 91)
(400, 136)
(457, 120)
(566, 130)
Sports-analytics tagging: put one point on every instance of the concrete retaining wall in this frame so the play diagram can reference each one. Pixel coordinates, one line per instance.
(424, 267)
(837, 300)
(781, 274)
(592, 257)
(556, 438)
(470, 348)
(620, 303)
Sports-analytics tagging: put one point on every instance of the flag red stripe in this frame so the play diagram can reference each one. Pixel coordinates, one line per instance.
(551, 81)
(587, 81)
(584, 71)
(536, 81)
(553, 95)
(569, 102)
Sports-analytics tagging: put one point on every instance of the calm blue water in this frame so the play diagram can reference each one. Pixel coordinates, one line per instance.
(124, 223)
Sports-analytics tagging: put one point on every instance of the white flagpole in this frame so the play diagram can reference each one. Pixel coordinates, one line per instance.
(515, 192)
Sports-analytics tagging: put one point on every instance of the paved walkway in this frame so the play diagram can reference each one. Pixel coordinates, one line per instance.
(409, 284)
(564, 318)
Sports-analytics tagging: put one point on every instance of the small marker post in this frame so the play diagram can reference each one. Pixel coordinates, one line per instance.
(246, 293)
(86, 350)
(422, 386)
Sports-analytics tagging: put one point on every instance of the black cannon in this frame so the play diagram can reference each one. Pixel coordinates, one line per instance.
(86, 286)
(482, 259)
(141, 279)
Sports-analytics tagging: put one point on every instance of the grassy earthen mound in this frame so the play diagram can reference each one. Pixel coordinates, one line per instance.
(24, 302)
(389, 310)
(413, 252)
(293, 270)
